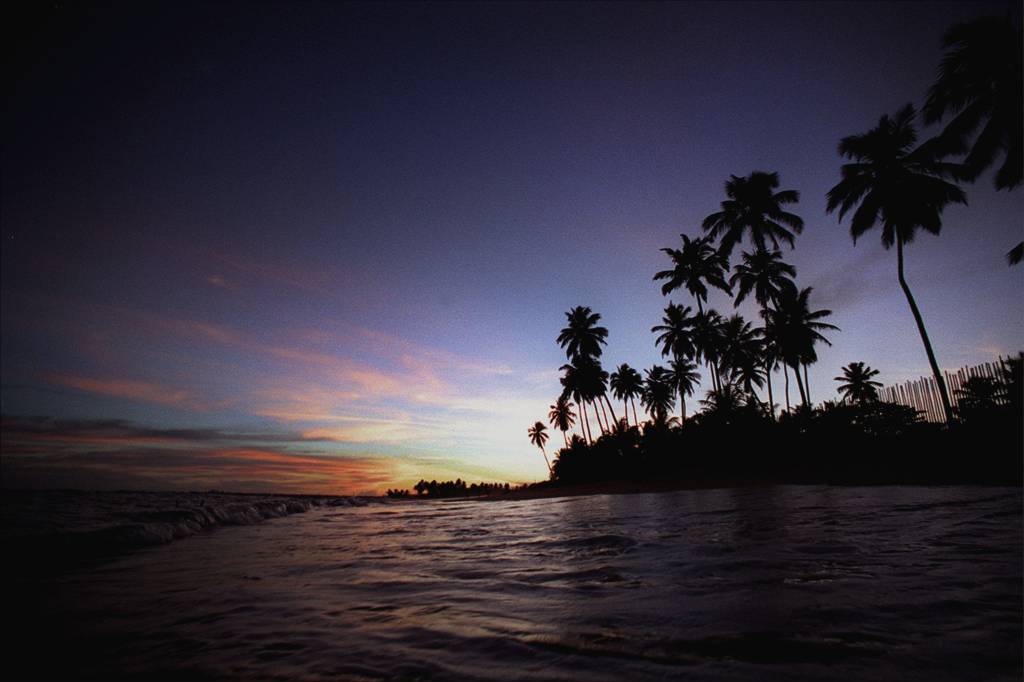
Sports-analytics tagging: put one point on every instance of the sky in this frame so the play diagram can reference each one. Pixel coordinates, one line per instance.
(327, 248)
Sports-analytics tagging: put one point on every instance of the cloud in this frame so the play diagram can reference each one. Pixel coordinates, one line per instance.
(47, 452)
(129, 389)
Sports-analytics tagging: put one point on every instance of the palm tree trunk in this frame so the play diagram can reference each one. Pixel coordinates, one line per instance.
(546, 460)
(771, 400)
(565, 438)
(785, 375)
(603, 413)
(615, 420)
(939, 380)
(597, 416)
(635, 420)
(682, 408)
(585, 423)
(807, 384)
(799, 383)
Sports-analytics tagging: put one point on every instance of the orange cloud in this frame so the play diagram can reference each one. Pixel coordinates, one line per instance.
(129, 390)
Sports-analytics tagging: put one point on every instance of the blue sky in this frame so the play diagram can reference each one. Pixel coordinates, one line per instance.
(351, 232)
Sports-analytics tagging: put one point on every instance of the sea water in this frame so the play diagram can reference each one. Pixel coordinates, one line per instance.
(783, 582)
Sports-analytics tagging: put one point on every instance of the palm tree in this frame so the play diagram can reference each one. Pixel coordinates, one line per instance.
(764, 273)
(659, 395)
(770, 278)
(754, 206)
(586, 381)
(562, 417)
(694, 267)
(582, 337)
(979, 84)
(857, 384)
(707, 339)
(683, 377)
(538, 437)
(904, 189)
(676, 338)
(796, 328)
(627, 384)
(573, 387)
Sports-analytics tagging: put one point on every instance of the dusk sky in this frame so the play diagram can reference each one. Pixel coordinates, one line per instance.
(328, 248)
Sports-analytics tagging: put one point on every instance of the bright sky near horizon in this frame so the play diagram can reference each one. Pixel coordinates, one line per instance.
(328, 247)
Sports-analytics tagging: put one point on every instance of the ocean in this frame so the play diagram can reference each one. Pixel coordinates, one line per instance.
(751, 583)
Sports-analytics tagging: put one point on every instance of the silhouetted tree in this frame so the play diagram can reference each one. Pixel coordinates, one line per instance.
(979, 84)
(857, 384)
(707, 341)
(562, 417)
(902, 187)
(795, 328)
(627, 384)
(539, 437)
(753, 206)
(582, 338)
(682, 375)
(676, 332)
(659, 395)
(694, 267)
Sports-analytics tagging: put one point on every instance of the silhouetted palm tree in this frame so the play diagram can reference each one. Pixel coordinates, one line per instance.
(683, 377)
(742, 353)
(796, 328)
(676, 337)
(573, 387)
(753, 206)
(979, 83)
(769, 277)
(694, 267)
(582, 337)
(562, 417)
(856, 384)
(903, 188)
(707, 340)
(627, 384)
(764, 273)
(659, 395)
(538, 437)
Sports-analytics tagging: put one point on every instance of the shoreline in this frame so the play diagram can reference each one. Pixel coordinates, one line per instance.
(665, 486)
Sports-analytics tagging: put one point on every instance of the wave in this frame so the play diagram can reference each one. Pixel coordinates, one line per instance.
(53, 529)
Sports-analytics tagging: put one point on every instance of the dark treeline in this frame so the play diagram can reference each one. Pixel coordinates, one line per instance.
(861, 442)
(456, 488)
(889, 182)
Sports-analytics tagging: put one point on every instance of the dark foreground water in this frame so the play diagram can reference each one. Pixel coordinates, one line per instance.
(792, 582)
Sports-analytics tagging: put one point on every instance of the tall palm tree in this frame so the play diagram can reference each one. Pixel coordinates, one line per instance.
(676, 337)
(573, 387)
(753, 206)
(683, 377)
(562, 417)
(764, 273)
(901, 187)
(694, 267)
(796, 328)
(627, 384)
(582, 337)
(538, 437)
(586, 381)
(980, 85)
(857, 384)
(769, 277)
(658, 396)
(707, 340)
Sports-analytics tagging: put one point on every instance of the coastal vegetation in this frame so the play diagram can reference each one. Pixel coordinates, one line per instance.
(889, 181)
